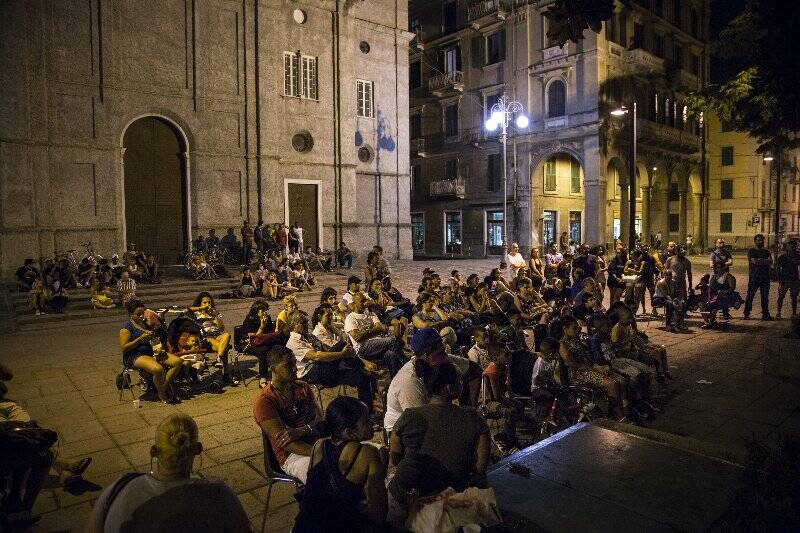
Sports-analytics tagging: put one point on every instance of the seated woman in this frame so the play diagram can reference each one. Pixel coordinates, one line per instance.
(574, 350)
(247, 285)
(482, 305)
(300, 277)
(398, 300)
(37, 296)
(205, 312)
(629, 342)
(26, 275)
(271, 289)
(282, 320)
(101, 296)
(345, 490)
(137, 351)
(384, 308)
(283, 277)
(85, 271)
(437, 445)
(332, 338)
(260, 330)
(428, 314)
(330, 297)
(169, 498)
(497, 283)
(453, 305)
(723, 295)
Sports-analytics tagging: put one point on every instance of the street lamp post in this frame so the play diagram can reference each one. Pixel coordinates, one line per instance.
(499, 117)
(622, 111)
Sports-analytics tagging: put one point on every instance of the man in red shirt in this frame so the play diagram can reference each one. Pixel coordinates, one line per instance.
(281, 237)
(286, 412)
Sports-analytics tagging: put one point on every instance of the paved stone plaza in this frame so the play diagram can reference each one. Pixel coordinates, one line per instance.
(728, 388)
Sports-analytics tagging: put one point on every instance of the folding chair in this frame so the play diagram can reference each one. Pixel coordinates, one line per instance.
(274, 474)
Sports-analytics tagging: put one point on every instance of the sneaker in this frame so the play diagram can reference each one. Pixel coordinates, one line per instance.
(767, 318)
(727, 316)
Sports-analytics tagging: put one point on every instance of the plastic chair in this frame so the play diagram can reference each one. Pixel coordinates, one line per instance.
(274, 474)
(129, 378)
(318, 388)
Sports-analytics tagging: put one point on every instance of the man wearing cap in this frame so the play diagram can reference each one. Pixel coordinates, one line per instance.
(369, 336)
(407, 388)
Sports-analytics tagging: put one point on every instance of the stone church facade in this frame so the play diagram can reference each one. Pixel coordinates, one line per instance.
(156, 120)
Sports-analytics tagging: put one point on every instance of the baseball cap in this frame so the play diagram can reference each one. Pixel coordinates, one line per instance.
(353, 279)
(422, 339)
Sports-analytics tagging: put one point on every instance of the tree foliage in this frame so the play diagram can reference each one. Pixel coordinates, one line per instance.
(763, 98)
(568, 19)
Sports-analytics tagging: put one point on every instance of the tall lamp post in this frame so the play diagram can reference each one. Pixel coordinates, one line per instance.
(620, 112)
(776, 164)
(499, 117)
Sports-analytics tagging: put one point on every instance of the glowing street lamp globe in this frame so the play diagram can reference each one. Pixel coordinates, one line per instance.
(491, 125)
(522, 122)
(497, 116)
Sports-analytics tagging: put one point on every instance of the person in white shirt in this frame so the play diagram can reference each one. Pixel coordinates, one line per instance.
(320, 365)
(407, 388)
(515, 260)
(369, 337)
(353, 287)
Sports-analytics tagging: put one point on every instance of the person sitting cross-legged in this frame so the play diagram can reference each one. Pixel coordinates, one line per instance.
(369, 338)
(286, 412)
(318, 364)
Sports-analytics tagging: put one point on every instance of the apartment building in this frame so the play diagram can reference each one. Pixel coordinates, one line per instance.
(567, 171)
(743, 190)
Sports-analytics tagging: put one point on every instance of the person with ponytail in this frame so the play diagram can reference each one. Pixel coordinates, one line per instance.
(168, 498)
(345, 490)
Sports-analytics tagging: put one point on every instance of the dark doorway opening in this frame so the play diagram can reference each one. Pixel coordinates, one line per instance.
(155, 189)
(303, 209)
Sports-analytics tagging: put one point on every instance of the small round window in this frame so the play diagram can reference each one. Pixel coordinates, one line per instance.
(302, 142)
(364, 47)
(365, 154)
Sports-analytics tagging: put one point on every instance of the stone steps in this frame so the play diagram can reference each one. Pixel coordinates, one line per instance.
(178, 292)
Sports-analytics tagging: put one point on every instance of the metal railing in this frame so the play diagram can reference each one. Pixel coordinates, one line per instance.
(449, 188)
(449, 80)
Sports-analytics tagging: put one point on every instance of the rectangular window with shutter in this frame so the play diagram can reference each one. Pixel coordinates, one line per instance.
(451, 169)
(727, 156)
(415, 75)
(575, 177)
(364, 99)
(550, 176)
(291, 74)
(726, 189)
(310, 77)
(725, 222)
(674, 222)
(451, 120)
(496, 47)
(494, 172)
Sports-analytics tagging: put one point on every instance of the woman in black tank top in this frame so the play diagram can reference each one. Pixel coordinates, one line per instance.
(345, 490)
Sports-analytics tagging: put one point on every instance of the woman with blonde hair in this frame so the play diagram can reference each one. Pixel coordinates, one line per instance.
(168, 498)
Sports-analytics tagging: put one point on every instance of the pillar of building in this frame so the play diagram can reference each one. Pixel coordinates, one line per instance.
(595, 209)
(681, 217)
(646, 214)
(664, 222)
(697, 218)
(624, 213)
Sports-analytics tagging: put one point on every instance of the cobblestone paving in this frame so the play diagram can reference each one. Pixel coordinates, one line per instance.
(728, 388)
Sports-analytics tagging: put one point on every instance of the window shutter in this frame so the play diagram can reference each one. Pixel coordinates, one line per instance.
(502, 44)
(478, 54)
(458, 58)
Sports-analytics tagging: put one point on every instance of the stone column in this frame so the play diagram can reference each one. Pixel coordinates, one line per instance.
(646, 215)
(624, 213)
(682, 217)
(595, 212)
(697, 218)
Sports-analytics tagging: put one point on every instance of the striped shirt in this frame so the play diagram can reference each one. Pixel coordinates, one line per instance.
(126, 289)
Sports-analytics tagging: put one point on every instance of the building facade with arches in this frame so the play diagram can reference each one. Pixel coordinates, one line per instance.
(155, 121)
(568, 171)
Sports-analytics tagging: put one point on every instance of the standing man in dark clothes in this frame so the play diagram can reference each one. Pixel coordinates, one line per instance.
(258, 237)
(247, 242)
(281, 238)
(759, 260)
(788, 266)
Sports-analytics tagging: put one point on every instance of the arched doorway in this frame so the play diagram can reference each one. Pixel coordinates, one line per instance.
(155, 189)
(559, 182)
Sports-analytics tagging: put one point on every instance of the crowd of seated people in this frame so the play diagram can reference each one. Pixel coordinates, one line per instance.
(110, 282)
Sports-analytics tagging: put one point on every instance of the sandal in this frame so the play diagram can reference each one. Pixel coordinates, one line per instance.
(79, 467)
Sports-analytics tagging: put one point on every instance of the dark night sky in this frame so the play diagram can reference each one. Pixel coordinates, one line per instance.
(722, 11)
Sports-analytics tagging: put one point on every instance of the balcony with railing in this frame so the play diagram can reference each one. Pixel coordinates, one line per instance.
(665, 136)
(481, 13)
(447, 84)
(453, 188)
(642, 59)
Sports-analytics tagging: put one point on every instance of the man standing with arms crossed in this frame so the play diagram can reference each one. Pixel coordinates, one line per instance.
(759, 261)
